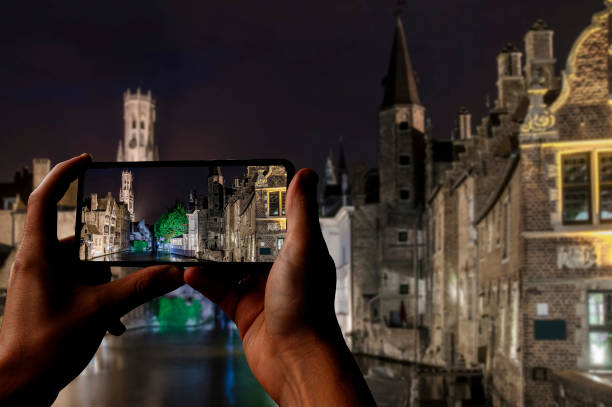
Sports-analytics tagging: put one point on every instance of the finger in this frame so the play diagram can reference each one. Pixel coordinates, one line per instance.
(123, 295)
(116, 328)
(41, 218)
(219, 288)
(241, 299)
(303, 228)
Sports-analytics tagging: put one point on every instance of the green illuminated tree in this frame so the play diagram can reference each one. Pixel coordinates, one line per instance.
(172, 224)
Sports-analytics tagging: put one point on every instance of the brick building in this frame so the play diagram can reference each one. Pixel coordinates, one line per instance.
(509, 224)
(254, 215)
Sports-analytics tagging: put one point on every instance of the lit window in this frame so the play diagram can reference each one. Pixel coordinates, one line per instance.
(404, 194)
(605, 186)
(404, 160)
(576, 189)
(279, 243)
(600, 328)
(283, 194)
(273, 204)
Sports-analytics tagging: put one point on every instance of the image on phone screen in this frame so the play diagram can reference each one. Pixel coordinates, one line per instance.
(209, 212)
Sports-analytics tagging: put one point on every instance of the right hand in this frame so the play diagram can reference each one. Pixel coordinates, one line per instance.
(290, 334)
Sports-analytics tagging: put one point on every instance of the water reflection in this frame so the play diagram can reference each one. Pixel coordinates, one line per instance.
(148, 367)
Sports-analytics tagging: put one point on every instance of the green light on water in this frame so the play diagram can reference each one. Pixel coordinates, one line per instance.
(177, 313)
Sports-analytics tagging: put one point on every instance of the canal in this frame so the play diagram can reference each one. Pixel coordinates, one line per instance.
(199, 366)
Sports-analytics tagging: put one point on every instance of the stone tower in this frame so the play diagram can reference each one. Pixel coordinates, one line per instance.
(401, 142)
(126, 194)
(138, 142)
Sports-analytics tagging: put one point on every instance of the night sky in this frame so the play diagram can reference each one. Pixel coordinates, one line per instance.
(238, 79)
(157, 189)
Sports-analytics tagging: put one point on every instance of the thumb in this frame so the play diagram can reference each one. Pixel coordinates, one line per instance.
(121, 296)
(302, 209)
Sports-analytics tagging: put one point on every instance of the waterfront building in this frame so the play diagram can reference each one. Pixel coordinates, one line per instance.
(254, 215)
(106, 226)
(512, 248)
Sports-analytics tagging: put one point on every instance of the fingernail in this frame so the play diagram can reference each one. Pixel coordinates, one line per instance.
(87, 155)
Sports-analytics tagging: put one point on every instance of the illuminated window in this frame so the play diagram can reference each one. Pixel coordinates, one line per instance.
(273, 204)
(600, 328)
(279, 243)
(605, 186)
(576, 189)
(283, 194)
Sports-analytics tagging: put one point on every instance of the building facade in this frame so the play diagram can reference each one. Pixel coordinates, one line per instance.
(495, 243)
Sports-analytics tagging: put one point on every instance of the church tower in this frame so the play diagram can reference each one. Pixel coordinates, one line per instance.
(126, 194)
(401, 139)
(138, 142)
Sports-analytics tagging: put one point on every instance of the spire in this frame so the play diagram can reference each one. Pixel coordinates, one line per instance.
(330, 171)
(400, 83)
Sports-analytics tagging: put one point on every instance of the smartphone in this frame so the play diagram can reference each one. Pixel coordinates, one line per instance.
(219, 212)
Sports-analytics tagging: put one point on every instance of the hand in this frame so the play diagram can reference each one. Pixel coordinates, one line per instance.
(54, 318)
(287, 322)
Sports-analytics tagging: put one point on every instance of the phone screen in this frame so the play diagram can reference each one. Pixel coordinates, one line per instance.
(183, 212)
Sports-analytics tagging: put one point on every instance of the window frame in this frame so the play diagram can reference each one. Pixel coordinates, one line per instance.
(596, 328)
(600, 183)
(589, 184)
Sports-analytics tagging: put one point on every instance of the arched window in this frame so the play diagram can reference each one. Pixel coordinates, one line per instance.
(133, 123)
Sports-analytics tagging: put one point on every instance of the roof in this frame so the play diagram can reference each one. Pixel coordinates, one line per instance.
(400, 83)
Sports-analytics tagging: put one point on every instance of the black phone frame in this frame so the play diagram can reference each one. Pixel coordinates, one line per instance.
(208, 264)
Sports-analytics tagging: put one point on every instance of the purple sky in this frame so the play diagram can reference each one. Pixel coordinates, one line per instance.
(155, 189)
(237, 79)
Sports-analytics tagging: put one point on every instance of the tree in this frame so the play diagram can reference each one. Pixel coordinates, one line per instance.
(171, 224)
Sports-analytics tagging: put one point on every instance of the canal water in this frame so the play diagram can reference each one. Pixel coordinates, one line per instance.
(200, 366)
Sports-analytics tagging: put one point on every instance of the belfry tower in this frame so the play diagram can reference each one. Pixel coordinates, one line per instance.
(126, 194)
(138, 142)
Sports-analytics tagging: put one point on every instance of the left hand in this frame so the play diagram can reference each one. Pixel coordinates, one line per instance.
(53, 321)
